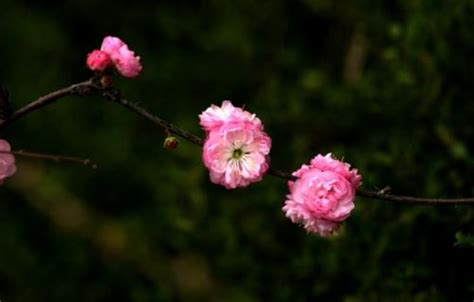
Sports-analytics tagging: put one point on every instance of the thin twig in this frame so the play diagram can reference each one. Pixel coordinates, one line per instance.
(90, 88)
(54, 157)
(79, 89)
(383, 195)
(413, 200)
(169, 127)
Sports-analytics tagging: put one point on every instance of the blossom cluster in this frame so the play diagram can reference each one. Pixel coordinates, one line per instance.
(115, 53)
(236, 152)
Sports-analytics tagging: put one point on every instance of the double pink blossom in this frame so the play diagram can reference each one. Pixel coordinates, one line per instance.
(114, 52)
(7, 161)
(236, 148)
(322, 196)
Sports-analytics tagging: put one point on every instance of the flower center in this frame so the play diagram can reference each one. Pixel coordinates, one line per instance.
(237, 153)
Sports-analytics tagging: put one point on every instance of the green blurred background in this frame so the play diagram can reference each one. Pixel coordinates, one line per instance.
(386, 85)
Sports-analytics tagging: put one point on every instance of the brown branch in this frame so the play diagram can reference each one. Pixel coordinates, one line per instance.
(413, 200)
(383, 195)
(54, 157)
(78, 89)
(90, 87)
(169, 127)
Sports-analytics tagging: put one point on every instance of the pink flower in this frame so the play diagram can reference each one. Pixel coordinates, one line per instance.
(236, 148)
(7, 161)
(322, 195)
(98, 60)
(214, 117)
(123, 58)
(322, 227)
(111, 45)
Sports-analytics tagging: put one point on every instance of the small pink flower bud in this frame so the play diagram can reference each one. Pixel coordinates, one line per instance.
(98, 60)
(170, 143)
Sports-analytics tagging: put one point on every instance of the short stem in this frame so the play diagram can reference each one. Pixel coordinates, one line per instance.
(53, 157)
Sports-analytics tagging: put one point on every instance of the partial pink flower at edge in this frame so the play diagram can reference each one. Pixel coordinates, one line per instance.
(7, 161)
(323, 195)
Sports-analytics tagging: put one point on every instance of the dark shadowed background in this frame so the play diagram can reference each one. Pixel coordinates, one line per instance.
(386, 85)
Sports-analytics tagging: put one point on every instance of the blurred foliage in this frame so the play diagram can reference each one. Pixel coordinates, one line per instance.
(386, 85)
(466, 240)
